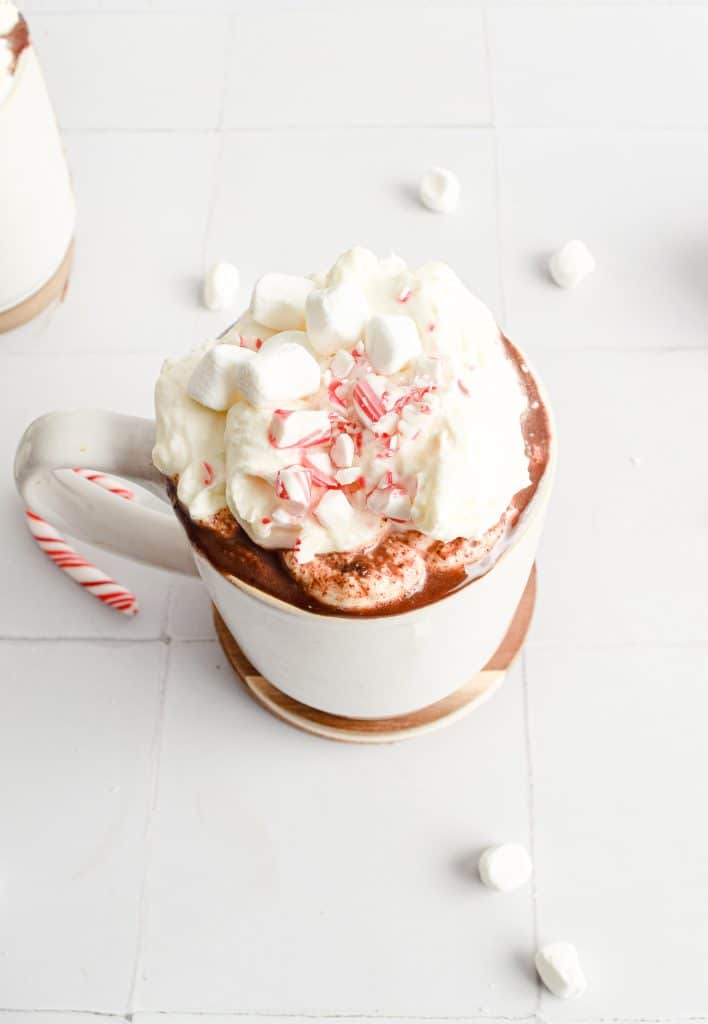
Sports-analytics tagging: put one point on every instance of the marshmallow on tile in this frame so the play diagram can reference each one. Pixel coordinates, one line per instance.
(559, 968)
(505, 867)
(391, 342)
(342, 364)
(570, 264)
(214, 379)
(440, 190)
(278, 301)
(299, 428)
(282, 373)
(343, 451)
(335, 317)
(220, 286)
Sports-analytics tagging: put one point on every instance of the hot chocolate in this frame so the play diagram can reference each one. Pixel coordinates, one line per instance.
(361, 442)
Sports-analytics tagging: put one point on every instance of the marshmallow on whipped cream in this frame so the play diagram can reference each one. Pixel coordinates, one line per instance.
(367, 398)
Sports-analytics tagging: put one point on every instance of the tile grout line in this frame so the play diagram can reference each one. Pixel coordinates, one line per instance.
(265, 1015)
(531, 797)
(149, 830)
(106, 641)
(531, 1019)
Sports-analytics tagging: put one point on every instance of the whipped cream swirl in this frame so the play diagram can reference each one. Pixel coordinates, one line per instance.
(378, 399)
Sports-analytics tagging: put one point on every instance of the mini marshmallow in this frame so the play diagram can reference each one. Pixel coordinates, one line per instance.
(335, 317)
(439, 190)
(299, 428)
(282, 373)
(278, 301)
(505, 867)
(391, 342)
(559, 968)
(570, 264)
(348, 476)
(214, 379)
(342, 364)
(284, 338)
(343, 451)
(220, 286)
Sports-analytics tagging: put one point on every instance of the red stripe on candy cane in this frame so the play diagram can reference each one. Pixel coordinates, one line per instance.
(368, 402)
(92, 579)
(78, 568)
(108, 483)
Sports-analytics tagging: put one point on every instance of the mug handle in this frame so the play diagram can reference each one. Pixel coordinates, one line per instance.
(111, 443)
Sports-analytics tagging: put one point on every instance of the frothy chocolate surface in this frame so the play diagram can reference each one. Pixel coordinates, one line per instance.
(417, 568)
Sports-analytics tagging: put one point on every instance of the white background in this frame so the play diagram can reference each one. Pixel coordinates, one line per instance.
(166, 847)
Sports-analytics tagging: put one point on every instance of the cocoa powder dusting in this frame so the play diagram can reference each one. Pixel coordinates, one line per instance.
(231, 551)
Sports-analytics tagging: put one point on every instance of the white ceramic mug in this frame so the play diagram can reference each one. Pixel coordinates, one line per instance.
(356, 667)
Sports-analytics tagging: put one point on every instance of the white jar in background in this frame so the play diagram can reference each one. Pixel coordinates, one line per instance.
(37, 211)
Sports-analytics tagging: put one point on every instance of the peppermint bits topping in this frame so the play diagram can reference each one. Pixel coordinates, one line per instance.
(299, 428)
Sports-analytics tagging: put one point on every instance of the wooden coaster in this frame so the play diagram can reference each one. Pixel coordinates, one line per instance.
(55, 288)
(386, 730)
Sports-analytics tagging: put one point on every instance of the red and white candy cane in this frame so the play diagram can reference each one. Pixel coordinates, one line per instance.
(108, 483)
(75, 565)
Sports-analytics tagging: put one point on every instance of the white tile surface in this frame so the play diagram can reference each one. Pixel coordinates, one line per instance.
(286, 875)
(261, 1018)
(610, 63)
(624, 558)
(143, 203)
(348, 188)
(77, 733)
(36, 598)
(635, 198)
(189, 616)
(56, 1017)
(133, 71)
(358, 66)
(290, 875)
(619, 760)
